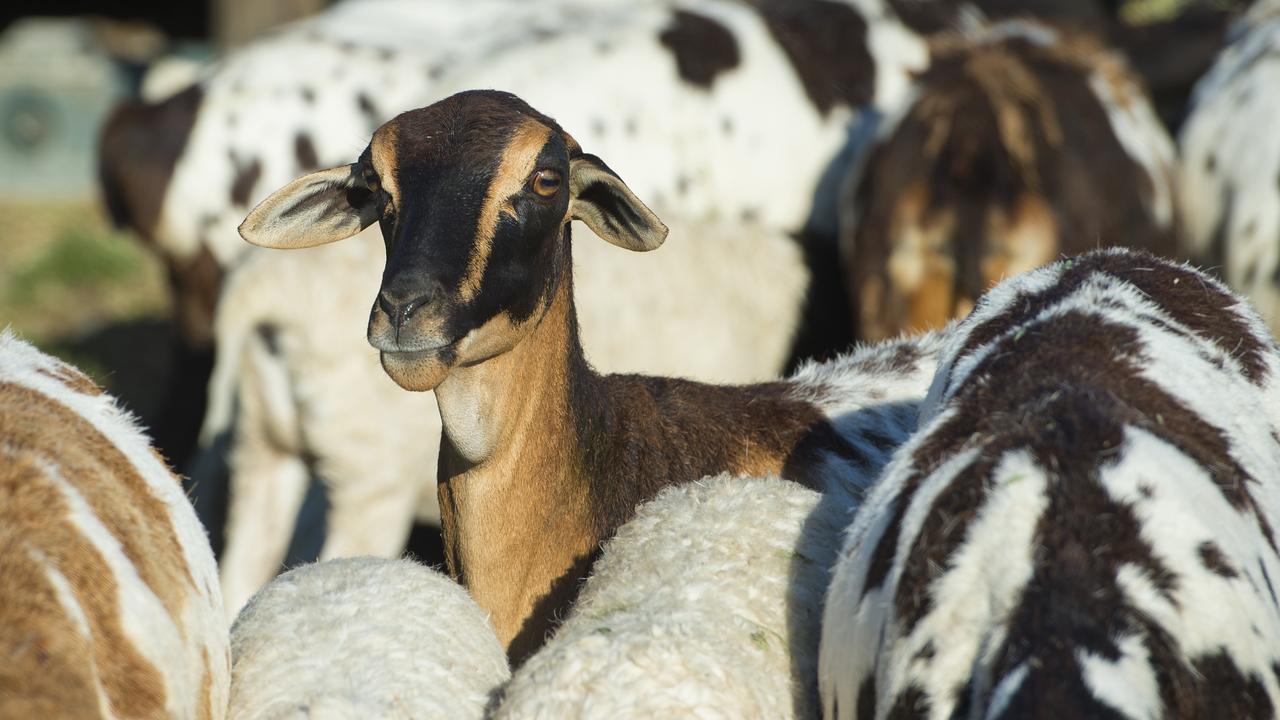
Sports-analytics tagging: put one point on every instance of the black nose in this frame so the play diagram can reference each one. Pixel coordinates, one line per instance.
(400, 303)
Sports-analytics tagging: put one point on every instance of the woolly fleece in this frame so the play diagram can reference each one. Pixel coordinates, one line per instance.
(363, 638)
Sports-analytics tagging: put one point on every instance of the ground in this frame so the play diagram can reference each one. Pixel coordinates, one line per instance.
(87, 293)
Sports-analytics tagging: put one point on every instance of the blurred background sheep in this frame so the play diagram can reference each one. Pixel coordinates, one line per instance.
(135, 307)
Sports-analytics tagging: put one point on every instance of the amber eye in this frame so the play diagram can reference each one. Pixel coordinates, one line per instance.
(545, 183)
(371, 180)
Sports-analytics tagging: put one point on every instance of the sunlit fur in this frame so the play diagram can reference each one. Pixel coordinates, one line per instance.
(109, 600)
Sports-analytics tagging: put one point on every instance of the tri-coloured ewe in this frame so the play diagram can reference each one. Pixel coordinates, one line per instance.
(109, 600)
(363, 638)
(542, 458)
(676, 88)
(1230, 170)
(1021, 143)
(1085, 524)
(296, 384)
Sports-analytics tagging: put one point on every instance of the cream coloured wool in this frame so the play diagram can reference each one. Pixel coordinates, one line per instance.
(363, 638)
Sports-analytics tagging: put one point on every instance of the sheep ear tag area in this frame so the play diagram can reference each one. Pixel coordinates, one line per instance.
(319, 208)
(609, 208)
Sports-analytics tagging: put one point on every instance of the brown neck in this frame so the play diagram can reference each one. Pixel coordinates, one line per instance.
(542, 459)
(513, 502)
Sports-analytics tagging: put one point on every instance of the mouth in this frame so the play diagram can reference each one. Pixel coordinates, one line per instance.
(417, 352)
(391, 344)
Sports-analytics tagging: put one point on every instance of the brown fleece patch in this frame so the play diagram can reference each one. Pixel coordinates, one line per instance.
(304, 152)
(196, 283)
(110, 484)
(46, 665)
(1214, 561)
(137, 152)
(826, 43)
(514, 166)
(72, 379)
(1019, 239)
(703, 48)
(245, 178)
(867, 697)
(204, 704)
(1186, 296)
(46, 662)
(911, 703)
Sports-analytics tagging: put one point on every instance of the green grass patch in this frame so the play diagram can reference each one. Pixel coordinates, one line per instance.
(79, 260)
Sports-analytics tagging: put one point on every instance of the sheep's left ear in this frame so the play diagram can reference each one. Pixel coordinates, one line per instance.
(605, 203)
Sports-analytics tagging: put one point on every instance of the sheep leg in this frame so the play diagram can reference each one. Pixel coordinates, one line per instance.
(371, 517)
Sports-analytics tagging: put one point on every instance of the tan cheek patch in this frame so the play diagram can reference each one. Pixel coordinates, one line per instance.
(518, 160)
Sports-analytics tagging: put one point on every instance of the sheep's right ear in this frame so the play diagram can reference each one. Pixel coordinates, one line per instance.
(322, 207)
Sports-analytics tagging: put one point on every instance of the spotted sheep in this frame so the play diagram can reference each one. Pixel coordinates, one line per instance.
(109, 605)
(1021, 143)
(1084, 525)
(1230, 169)
(735, 300)
(183, 172)
(541, 457)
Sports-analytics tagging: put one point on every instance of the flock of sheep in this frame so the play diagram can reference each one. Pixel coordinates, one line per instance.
(1046, 483)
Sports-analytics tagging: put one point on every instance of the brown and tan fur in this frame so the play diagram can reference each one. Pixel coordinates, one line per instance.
(51, 665)
(1006, 161)
(542, 458)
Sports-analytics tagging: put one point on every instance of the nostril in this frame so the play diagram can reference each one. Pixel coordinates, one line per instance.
(399, 309)
(421, 301)
(389, 306)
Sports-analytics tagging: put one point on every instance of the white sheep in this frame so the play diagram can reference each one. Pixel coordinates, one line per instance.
(109, 599)
(1230, 169)
(363, 638)
(1084, 524)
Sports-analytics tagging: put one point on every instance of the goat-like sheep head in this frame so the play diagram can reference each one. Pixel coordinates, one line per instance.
(473, 194)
